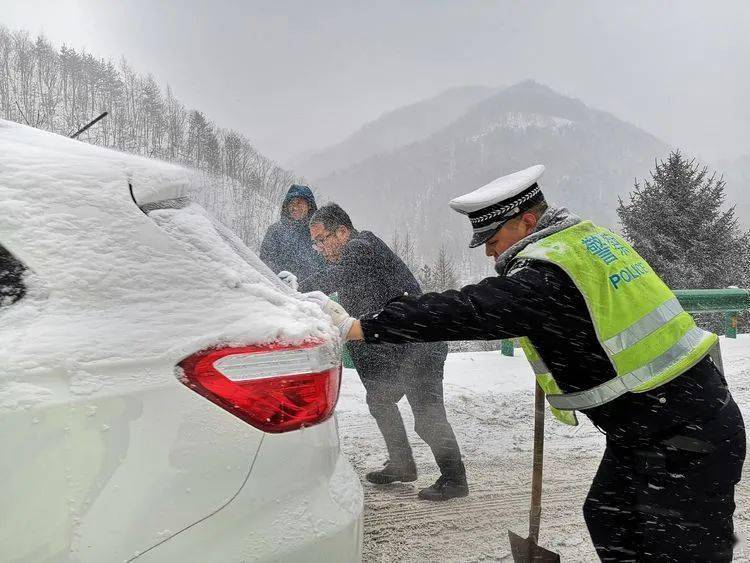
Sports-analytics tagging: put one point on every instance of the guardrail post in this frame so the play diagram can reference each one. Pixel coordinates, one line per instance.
(731, 320)
(506, 347)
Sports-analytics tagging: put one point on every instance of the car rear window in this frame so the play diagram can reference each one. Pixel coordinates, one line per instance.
(12, 287)
(223, 239)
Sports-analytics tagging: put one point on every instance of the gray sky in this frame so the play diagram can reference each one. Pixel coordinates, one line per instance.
(295, 76)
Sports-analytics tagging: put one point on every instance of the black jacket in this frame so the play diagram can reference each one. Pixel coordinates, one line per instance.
(368, 276)
(287, 245)
(539, 300)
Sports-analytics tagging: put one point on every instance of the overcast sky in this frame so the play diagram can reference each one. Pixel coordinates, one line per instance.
(295, 76)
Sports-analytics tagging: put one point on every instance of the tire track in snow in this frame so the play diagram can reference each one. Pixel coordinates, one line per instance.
(406, 513)
(399, 527)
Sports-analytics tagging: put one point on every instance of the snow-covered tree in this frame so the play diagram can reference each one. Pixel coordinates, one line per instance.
(61, 90)
(425, 278)
(440, 275)
(677, 222)
(403, 246)
(443, 276)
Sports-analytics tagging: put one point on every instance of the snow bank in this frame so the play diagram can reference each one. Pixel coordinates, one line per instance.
(108, 283)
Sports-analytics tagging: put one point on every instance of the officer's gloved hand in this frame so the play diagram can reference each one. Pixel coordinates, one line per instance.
(288, 278)
(340, 318)
(338, 314)
(317, 297)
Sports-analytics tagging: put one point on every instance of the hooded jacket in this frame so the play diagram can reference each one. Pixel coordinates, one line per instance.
(287, 245)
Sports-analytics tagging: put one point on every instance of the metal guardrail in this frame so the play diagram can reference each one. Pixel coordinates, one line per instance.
(729, 301)
(713, 300)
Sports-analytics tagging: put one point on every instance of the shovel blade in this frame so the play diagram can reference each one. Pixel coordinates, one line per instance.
(527, 551)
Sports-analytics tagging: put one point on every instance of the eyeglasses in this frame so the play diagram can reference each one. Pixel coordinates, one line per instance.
(318, 242)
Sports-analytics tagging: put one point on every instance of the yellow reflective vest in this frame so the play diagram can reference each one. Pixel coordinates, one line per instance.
(644, 331)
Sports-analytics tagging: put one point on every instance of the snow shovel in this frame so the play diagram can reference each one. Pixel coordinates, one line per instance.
(527, 550)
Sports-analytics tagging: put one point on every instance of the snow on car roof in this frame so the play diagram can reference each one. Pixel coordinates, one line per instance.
(105, 281)
(152, 180)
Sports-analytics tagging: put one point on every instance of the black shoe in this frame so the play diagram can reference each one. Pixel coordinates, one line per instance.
(445, 488)
(393, 472)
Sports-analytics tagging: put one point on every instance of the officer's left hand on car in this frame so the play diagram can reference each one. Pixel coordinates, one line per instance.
(341, 319)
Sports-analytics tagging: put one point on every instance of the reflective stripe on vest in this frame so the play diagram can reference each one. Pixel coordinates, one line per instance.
(643, 327)
(546, 381)
(539, 367)
(639, 323)
(620, 385)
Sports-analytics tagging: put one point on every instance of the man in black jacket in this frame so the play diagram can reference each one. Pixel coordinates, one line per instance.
(286, 245)
(664, 490)
(366, 274)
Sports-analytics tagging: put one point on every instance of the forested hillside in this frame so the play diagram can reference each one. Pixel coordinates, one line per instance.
(61, 90)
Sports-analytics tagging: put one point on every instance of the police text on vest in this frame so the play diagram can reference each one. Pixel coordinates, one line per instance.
(628, 274)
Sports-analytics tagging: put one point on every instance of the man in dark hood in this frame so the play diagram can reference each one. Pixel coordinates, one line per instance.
(286, 246)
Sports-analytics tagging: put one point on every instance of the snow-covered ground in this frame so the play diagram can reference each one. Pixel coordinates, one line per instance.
(489, 398)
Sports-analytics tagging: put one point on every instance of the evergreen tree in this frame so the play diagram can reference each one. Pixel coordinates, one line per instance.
(676, 222)
(403, 246)
(63, 89)
(425, 278)
(440, 275)
(443, 276)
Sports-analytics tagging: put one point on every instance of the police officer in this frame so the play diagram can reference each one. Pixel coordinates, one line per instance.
(607, 338)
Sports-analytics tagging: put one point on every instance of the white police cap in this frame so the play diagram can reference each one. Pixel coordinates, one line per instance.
(494, 204)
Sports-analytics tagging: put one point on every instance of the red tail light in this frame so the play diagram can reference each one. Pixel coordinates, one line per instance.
(275, 388)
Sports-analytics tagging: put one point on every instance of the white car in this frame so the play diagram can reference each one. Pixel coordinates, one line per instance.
(163, 397)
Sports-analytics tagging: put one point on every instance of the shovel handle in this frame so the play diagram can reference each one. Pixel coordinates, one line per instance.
(535, 514)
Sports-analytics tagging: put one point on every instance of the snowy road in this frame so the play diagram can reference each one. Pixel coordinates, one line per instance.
(489, 400)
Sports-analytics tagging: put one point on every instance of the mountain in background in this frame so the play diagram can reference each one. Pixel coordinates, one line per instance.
(591, 158)
(392, 131)
(737, 176)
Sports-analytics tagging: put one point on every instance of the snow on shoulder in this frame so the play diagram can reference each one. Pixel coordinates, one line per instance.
(106, 282)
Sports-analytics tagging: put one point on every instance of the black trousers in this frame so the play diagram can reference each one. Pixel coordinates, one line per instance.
(671, 501)
(419, 376)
